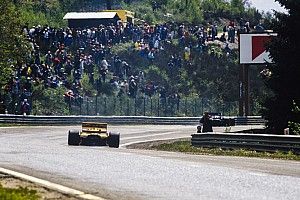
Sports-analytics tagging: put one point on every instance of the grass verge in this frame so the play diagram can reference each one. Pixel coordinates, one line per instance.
(185, 146)
(10, 125)
(18, 194)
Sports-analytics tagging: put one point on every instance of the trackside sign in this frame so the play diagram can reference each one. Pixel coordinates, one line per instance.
(253, 48)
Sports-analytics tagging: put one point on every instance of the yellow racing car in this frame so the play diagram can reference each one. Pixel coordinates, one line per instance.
(93, 134)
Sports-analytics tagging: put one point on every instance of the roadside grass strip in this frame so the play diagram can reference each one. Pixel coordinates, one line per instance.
(186, 147)
(10, 125)
(18, 194)
(50, 185)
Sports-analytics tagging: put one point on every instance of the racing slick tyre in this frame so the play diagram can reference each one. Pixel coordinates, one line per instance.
(73, 138)
(114, 140)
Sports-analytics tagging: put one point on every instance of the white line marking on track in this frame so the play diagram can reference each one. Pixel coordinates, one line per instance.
(50, 185)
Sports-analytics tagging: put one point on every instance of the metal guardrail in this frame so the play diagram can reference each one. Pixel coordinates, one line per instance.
(251, 120)
(258, 142)
(20, 119)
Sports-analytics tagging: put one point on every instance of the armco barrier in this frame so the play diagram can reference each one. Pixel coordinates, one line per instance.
(250, 120)
(65, 120)
(31, 119)
(258, 142)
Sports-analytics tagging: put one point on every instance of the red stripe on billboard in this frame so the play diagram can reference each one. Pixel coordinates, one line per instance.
(259, 45)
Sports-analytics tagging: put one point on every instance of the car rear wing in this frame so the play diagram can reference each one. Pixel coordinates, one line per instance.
(94, 127)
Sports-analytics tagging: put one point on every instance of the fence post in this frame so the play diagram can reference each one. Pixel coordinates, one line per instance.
(158, 107)
(96, 99)
(135, 106)
(185, 104)
(105, 105)
(114, 106)
(167, 102)
(202, 106)
(87, 106)
(195, 107)
(150, 106)
(128, 107)
(121, 105)
(80, 109)
(144, 106)
(70, 110)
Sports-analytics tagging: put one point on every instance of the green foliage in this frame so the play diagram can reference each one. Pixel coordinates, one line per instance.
(42, 13)
(13, 47)
(215, 8)
(49, 101)
(295, 126)
(232, 10)
(238, 7)
(159, 76)
(121, 48)
(285, 73)
(186, 11)
(213, 74)
(18, 194)
(88, 88)
(108, 89)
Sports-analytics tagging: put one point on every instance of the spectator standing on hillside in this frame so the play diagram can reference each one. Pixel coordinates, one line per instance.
(207, 123)
(103, 69)
(231, 34)
(25, 107)
(187, 53)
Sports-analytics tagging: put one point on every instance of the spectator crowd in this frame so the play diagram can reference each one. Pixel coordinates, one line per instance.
(61, 57)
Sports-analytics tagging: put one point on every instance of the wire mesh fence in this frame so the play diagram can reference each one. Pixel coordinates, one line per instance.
(150, 106)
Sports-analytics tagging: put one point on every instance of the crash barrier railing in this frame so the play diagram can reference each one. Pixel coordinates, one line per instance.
(251, 120)
(257, 142)
(105, 119)
(31, 119)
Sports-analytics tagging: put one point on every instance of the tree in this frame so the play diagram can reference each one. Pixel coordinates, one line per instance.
(12, 44)
(238, 7)
(284, 75)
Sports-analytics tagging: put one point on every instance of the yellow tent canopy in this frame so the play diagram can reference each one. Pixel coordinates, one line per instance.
(125, 15)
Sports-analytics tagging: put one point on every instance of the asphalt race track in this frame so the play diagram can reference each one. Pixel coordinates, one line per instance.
(129, 174)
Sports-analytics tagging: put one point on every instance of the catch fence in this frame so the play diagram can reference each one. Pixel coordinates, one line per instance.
(149, 106)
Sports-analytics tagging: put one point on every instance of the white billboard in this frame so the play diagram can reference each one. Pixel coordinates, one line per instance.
(253, 48)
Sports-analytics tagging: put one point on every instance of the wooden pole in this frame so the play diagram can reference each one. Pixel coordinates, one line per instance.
(241, 90)
(247, 90)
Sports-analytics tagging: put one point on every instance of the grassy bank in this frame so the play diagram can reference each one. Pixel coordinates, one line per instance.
(18, 194)
(185, 146)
